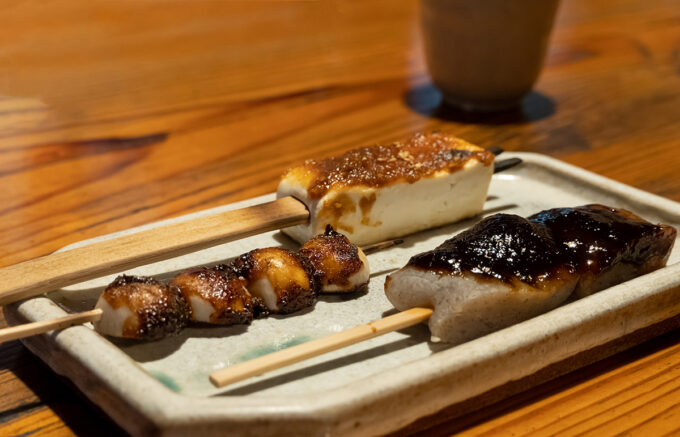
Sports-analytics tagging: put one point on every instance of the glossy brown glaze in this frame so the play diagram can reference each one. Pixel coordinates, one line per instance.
(292, 278)
(598, 240)
(378, 166)
(600, 244)
(332, 212)
(223, 289)
(334, 257)
(158, 310)
(502, 247)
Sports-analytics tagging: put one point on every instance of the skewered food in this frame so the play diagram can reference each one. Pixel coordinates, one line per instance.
(606, 245)
(362, 192)
(342, 266)
(503, 270)
(261, 281)
(507, 269)
(217, 295)
(142, 308)
(285, 281)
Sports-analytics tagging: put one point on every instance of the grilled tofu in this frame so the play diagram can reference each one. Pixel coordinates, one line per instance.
(377, 193)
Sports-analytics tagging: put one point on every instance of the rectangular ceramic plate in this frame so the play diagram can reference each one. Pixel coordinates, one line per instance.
(370, 388)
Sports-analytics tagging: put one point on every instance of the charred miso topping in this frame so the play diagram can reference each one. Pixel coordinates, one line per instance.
(377, 166)
(220, 286)
(503, 246)
(333, 256)
(594, 237)
(292, 277)
(586, 239)
(159, 309)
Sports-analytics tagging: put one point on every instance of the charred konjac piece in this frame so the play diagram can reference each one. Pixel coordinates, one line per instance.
(342, 266)
(217, 295)
(141, 308)
(605, 245)
(507, 268)
(285, 281)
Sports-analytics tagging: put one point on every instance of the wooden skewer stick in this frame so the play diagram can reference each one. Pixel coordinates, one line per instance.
(376, 247)
(51, 272)
(43, 326)
(301, 352)
(27, 279)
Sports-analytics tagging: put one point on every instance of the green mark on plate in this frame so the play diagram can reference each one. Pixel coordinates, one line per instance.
(166, 380)
(267, 349)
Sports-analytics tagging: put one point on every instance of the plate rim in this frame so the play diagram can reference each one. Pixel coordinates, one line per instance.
(320, 411)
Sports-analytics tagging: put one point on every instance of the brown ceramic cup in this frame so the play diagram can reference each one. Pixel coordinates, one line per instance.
(485, 55)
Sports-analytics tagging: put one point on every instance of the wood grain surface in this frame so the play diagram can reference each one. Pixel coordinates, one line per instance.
(115, 114)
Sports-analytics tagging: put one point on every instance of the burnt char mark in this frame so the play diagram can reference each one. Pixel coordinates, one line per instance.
(597, 237)
(333, 256)
(377, 166)
(220, 286)
(131, 279)
(160, 310)
(278, 266)
(504, 246)
(296, 299)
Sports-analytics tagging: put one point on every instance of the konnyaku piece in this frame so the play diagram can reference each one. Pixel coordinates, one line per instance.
(217, 295)
(342, 266)
(141, 308)
(507, 268)
(285, 281)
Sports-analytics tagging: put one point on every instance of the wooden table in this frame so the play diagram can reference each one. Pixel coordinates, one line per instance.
(114, 114)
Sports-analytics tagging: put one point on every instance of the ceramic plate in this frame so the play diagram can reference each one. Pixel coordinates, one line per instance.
(370, 388)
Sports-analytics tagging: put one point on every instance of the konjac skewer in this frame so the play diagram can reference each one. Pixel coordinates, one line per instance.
(503, 270)
(507, 269)
(429, 163)
(262, 281)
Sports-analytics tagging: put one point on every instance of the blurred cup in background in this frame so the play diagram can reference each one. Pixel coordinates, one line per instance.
(485, 55)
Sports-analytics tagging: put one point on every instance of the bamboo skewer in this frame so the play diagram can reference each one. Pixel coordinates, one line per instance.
(28, 329)
(57, 270)
(301, 352)
(51, 272)
(376, 247)
(28, 279)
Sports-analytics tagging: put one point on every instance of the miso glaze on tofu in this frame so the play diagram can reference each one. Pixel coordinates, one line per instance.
(377, 193)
